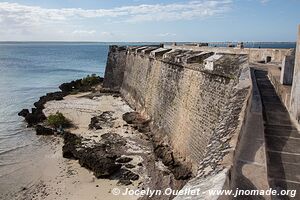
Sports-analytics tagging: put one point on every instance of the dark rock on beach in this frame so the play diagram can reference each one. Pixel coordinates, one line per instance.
(79, 85)
(95, 123)
(101, 158)
(37, 115)
(129, 175)
(52, 96)
(23, 113)
(35, 118)
(71, 144)
(181, 172)
(129, 166)
(42, 130)
(132, 117)
(139, 122)
(104, 120)
(124, 160)
(69, 87)
(162, 151)
(99, 161)
(165, 153)
(126, 177)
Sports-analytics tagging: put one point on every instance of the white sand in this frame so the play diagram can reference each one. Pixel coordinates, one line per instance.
(65, 179)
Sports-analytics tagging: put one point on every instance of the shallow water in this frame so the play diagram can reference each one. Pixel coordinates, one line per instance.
(28, 71)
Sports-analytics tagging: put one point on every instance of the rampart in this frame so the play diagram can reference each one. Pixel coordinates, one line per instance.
(255, 54)
(200, 104)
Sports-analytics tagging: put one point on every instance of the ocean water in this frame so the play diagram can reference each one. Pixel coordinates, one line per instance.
(28, 71)
(279, 45)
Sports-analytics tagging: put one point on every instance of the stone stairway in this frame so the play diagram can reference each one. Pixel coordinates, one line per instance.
(282, 140)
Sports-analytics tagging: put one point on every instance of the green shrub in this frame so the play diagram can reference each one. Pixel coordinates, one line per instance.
(58, 120)
(90, 80)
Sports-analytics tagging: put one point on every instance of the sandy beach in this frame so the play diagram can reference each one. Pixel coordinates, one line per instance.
(63, 178)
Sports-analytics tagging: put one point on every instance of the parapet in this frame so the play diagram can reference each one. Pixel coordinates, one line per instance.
(198, 60)
(255, 54)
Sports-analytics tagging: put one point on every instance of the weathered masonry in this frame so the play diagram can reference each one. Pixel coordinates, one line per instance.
(202, 104)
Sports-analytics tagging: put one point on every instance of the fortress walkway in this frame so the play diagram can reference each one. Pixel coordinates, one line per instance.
(282, 139)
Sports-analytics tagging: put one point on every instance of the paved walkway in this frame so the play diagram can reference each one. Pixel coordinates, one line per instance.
(282, 140)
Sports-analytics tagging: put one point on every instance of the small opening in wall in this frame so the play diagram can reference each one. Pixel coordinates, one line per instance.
(268, 59)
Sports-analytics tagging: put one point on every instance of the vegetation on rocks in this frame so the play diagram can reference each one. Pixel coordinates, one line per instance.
(58, 120)
(90, 80)
(81, 85)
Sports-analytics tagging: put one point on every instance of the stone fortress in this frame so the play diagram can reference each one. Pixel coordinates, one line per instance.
(228, 115)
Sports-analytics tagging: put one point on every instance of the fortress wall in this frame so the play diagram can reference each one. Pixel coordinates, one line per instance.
(255, 54)
(183, 103)
(295, 94)
(203, 113)
(115, 71)
(186, 102)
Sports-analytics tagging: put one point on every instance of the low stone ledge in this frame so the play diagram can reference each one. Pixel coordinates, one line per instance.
(283, 91)
(250, 166)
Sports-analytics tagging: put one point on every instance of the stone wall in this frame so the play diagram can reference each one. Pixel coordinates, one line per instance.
(184, 101)
(115, 67)
(196, 100)
(295, 94)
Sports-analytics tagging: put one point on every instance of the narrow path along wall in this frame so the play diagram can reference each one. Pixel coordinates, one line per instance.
(196, 100)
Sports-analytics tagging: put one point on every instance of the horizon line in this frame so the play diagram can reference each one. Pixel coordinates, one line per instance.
(61, 41)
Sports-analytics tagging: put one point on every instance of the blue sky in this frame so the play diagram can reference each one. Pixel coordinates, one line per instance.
(145, 20)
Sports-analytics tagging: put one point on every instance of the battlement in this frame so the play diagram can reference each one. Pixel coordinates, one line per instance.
(255, 54)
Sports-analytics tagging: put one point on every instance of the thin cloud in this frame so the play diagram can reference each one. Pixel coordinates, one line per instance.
(29, 21)
(264, 1)
(24, 15)
(166, 34)
(84, 32)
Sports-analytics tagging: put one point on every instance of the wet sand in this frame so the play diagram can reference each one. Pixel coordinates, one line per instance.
(60, 178)
(64, 178)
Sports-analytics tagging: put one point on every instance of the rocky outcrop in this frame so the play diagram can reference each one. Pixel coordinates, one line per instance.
(42, 130)
(102, 163)
(162, 150)
(37, 116)
(79, 85)
(180, 169)
(105, 119)
(139, 123)
(23, 113)
(104, 158)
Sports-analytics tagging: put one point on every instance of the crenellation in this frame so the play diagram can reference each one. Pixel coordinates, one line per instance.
(198, 57)
(140, 49)
(149, 50)
(158, 53)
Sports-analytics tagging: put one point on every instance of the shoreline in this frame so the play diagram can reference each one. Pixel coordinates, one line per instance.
(136, 164)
